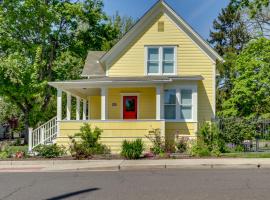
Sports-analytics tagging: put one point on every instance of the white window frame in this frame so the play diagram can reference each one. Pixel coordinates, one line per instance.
(160, 65)
(171, 104)
(194, 106)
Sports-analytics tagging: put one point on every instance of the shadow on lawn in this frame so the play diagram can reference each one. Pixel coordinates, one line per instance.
(71, 194)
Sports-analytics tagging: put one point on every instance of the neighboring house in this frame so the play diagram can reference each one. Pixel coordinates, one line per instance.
(160, 75)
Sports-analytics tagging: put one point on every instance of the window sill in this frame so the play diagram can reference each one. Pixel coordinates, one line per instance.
(181, 120)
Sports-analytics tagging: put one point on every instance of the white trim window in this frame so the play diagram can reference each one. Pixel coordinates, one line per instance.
(186, 104)
(170, 104)
(160, 60)
(180, 104)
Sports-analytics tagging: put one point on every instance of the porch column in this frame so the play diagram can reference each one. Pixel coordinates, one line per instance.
(104, 99)
(78, 102)
(68, 106)
(159, 103)
(59, 104)
(84, 109)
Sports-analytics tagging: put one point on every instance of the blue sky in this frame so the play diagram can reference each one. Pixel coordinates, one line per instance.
(198, 13)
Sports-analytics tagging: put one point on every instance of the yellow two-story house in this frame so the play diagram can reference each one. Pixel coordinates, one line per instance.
(161, 74)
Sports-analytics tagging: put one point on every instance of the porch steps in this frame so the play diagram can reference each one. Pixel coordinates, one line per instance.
(44, 134)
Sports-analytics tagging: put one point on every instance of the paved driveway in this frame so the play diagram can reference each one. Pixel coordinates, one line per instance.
(183, 184)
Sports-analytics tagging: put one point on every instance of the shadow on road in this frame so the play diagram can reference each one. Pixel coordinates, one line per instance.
(64, 196)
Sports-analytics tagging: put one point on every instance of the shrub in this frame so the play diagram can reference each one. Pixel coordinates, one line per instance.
(158, 143)
(209, 141)
(132, 149)
(170, 145)
(49, 151)
(88, 144)
(200, 149)
(3, 155)
(182, 145)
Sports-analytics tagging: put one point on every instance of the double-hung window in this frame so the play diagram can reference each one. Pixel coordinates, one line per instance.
(180, 103)
(170, 104)
(185, 104)
(161, 60)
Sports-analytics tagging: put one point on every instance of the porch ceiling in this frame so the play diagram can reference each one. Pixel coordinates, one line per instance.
(91, 86)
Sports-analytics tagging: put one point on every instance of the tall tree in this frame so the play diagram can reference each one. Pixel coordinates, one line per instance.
(122, 25)
(229, 32)
(254, 6)
(251, 85)
(229, 36)
(46, 40)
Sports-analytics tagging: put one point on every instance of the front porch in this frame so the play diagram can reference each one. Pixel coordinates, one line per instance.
(125, 108)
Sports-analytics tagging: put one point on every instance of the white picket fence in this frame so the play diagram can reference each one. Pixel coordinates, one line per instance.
(44, 134)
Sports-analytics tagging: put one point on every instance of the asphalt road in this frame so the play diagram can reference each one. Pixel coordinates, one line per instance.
(221, 184)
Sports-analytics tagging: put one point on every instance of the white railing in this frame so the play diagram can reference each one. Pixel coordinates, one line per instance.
(44, 134)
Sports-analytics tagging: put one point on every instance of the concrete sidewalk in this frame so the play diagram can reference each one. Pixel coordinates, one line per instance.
(116, 165)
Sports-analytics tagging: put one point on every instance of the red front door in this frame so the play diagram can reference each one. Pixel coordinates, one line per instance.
(130, 107)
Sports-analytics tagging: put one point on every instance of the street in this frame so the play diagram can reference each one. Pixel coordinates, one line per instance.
(216, 184)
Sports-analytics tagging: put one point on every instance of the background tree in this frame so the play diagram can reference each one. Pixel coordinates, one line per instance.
(122, 24)
(43, 41)
(254, 6)
(251, 86)
(228, 37)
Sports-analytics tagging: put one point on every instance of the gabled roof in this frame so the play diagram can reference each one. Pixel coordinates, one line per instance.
(92, 65)
(157, 10)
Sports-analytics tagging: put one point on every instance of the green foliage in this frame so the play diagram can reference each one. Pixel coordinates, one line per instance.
(8, 110)
(3, 155)
(182, 145)
(230, 33)
(209, 141)
(236, 130)
(50, 151)
(43, 41)
(132, 149)
(88, 144)
(254, 6)
(9, 151)
(170, 145)
(250, 87)
(158, 143)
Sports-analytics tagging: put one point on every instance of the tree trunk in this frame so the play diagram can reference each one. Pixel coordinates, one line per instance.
(26, 131)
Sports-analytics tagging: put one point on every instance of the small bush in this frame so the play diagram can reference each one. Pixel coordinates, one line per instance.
(170, 145)
(132, 149)
(182, 145)
(200, 149)
(88, 144)
(3, 155)
(158, 143)
(49, 151)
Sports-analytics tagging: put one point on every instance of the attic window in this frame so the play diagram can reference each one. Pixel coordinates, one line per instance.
(161, 26)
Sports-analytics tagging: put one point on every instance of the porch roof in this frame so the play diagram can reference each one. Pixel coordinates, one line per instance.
(106, 81)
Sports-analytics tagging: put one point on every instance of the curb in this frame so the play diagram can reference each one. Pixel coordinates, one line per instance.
(124, 165)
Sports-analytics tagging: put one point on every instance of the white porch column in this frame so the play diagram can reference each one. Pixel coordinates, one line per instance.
(68, 106)
(59, 104)
(78, 102)
(104, 99)
(159, 103)
(84, 109)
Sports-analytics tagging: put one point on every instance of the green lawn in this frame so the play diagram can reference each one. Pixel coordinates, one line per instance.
(247, 155)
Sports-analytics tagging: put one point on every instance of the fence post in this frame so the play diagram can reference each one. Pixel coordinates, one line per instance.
(30, 144)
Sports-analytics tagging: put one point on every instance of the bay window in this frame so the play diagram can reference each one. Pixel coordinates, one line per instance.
(161, 60)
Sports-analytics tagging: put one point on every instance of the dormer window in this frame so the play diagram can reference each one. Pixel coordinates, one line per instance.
(161, 60)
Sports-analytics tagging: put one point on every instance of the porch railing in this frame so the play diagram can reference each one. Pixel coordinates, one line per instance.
(44, 134)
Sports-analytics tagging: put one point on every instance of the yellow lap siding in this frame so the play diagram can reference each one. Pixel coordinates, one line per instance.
(113, 132)
(191, 60)
(94, 107)
(146, 102)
